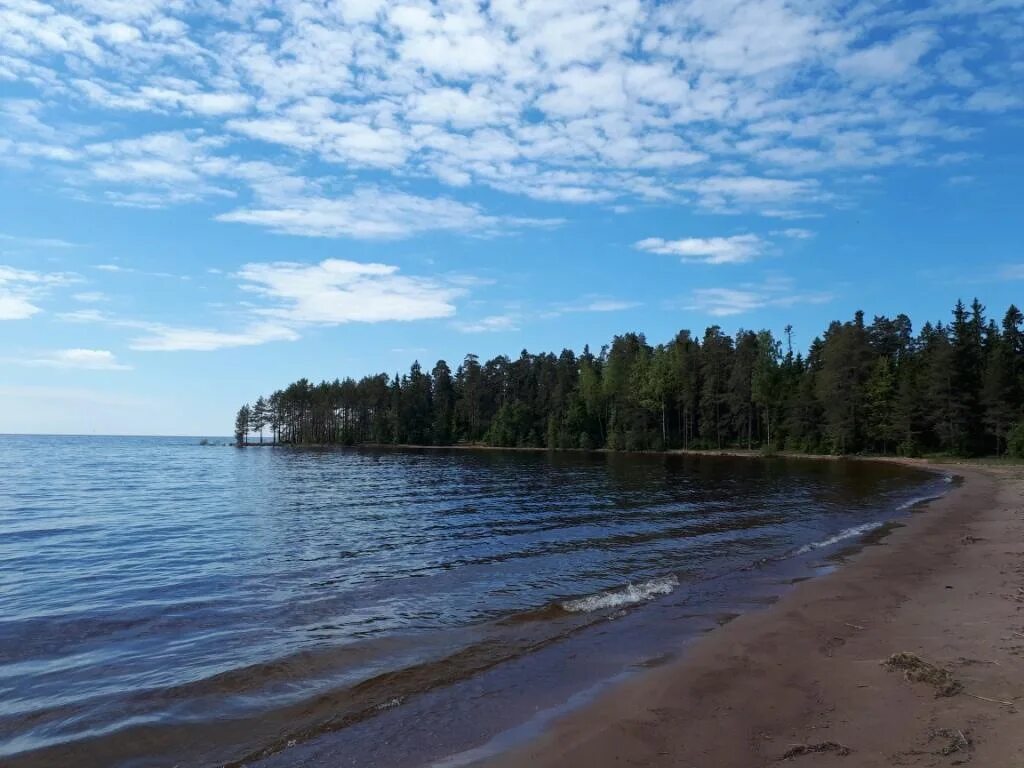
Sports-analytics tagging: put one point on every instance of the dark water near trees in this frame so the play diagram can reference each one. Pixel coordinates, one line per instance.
(166, 603)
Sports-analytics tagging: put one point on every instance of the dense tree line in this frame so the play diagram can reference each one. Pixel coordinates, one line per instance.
(955, 387)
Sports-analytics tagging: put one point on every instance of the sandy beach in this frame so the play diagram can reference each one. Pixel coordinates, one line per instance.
(804, 682)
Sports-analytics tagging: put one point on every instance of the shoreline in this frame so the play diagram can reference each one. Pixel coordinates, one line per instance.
(919, 462)
(803, 679)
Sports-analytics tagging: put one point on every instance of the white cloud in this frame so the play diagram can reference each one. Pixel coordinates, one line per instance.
(729, 194)
(708, 250)
(748, 297)
(370, 213)
(81, 359)
(91, 297)
(337, 291)
(1013, 272)
(37, 242)
(994, 100)
(290, 296)
(889, 60)
(795, 233)
(490, 324)
(608, 305)
(164, 338)
(13, 307)
(119, 269)
(590, 304)
(463, 109)
(740, 105)
(21, 288)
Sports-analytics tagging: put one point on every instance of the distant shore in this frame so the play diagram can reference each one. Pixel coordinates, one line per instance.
(803, 682)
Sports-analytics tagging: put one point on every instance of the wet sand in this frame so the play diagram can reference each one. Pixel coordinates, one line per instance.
(948, 586)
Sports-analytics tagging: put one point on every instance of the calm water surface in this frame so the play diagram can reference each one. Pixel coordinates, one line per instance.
(166, 603)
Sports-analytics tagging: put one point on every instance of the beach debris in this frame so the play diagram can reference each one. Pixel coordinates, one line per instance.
(858, 627)
(993, 701)
(799, 750)
(917, 670)
(956, 741)
(963, 661)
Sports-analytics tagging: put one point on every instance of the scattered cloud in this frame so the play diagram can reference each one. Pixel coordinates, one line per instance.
(892, 60)
(490, 324)
(164, 338)
(775, 197)
(994, 100)
(961, 180)
(590, 304)
(743, 105)
(21, 289)
(371, 213)
(119, 269)
(337, 291)
(290, 296)
(36, 242)
(748, 297)
(1013, 272)
(91, 297)
(795, 233)
(605, 305)
(707, 250)
(79, 359)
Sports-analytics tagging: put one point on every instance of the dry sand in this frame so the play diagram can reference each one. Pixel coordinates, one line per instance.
(803, 682)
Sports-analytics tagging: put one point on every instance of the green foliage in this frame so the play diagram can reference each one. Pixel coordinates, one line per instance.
(1015, 441)
(955, 388)
(242, 421)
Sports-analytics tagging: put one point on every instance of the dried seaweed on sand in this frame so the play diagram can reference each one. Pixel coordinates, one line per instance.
(918, 670)
(799, 750)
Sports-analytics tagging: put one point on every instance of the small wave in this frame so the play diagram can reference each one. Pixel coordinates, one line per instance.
(628, 595)
(846, 533)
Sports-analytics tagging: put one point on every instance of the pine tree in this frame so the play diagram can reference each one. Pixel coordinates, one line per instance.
(956, 388)
(443, 399)
(716, 356)
(845, 366)
(242, 425)
(880, 405)
(766, 381)
(998, 388)
(258, 417)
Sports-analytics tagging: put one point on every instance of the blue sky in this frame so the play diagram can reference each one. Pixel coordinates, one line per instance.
(202, 201)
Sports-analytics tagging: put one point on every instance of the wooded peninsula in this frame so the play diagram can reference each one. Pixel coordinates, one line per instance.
(955, 388)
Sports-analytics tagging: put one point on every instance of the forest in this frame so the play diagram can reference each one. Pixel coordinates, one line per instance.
(954, 388)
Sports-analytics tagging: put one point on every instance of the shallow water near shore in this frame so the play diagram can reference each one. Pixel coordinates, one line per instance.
(170, 603)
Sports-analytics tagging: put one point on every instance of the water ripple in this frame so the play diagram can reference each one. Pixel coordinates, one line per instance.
(154, 587)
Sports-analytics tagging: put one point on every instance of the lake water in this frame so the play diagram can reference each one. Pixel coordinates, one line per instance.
(167, 603)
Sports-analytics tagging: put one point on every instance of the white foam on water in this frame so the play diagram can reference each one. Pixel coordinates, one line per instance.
(910, 503)
(846, 533)
(631, 594)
